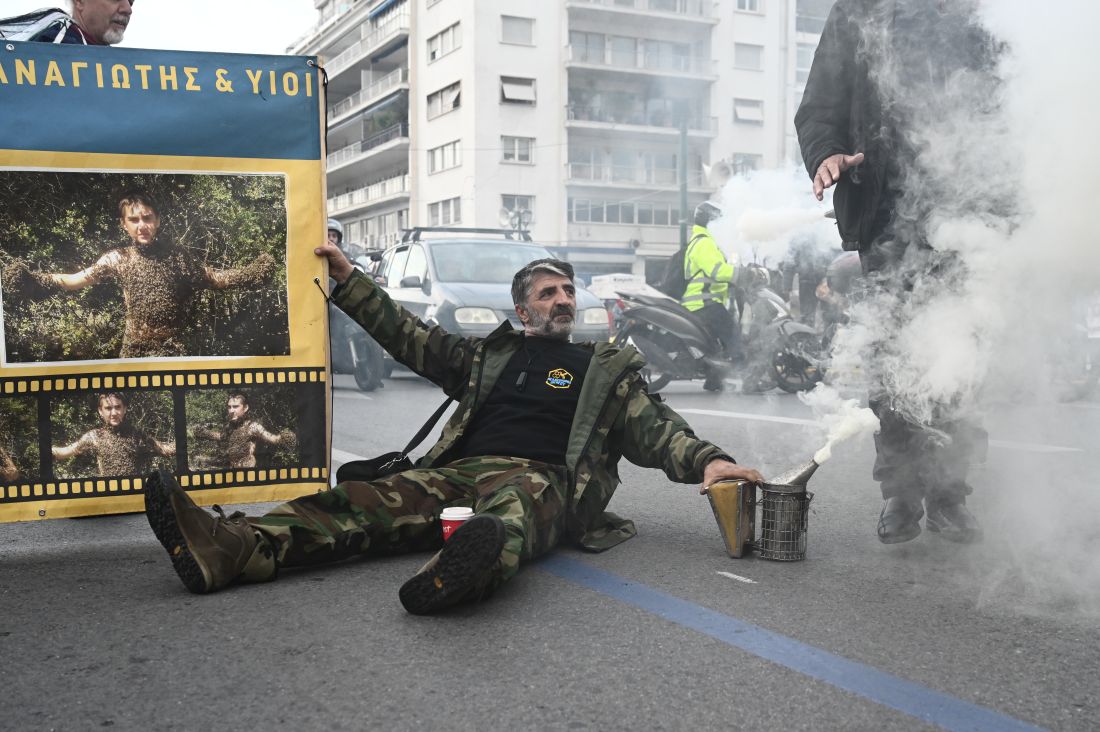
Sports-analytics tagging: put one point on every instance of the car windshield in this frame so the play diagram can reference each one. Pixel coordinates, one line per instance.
(481, 261)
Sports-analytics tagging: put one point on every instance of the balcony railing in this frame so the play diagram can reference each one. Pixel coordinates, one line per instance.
(630, 175)
(611, 58)
(397, 23)
(381, 86)
(344, 154)
(369, 194)
(659, 118)
(691, 8)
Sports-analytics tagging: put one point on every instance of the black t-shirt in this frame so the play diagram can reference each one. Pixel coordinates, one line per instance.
(530, 410)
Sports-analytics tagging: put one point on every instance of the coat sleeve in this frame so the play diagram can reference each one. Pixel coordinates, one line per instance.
(655, 436)
(444, 359)
(822, 119)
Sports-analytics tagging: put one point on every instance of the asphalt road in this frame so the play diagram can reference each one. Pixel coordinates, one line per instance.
(663, 632)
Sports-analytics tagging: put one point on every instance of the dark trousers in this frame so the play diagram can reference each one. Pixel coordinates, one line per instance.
(916, 461)
(721, 324)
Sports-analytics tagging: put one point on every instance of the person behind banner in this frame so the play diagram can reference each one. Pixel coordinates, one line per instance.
(532, 447)
(239, 439)
(92, 23)
(118, 446)
(160, 281)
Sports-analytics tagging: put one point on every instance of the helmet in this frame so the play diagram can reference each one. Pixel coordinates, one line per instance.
(334, 225)
(706, 212)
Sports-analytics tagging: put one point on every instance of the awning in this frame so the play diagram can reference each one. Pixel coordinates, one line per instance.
(381, 8)
(518, 90)
(748, 110)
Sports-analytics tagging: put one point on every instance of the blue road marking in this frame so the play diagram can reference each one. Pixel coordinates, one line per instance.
(907, 697)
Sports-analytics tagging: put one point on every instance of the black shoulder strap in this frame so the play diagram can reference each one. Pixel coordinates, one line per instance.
(423, 432)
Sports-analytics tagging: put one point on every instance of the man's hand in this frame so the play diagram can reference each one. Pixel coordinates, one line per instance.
(339, 268)
(720, 469)
(828, 173)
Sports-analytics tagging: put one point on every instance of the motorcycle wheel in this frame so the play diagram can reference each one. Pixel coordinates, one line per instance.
(366, 360)
(793, 371)
(655, 378)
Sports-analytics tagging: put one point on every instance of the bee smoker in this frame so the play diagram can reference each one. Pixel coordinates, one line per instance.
(783, 504)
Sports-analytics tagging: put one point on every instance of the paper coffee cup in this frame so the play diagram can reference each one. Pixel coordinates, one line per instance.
(452, 518)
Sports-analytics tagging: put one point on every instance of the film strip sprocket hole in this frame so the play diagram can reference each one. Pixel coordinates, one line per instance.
(92, 435)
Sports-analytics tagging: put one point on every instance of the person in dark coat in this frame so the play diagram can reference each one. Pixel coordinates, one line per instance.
(884, 72)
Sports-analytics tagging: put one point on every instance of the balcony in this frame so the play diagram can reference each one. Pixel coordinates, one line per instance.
(394, 27)
(648, 63)
(629, 175)
(368, 195)
(697, 10)
(660, 121)
(368, 94)
(363, 148)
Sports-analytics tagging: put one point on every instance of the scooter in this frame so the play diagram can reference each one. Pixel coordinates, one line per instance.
(677, 345)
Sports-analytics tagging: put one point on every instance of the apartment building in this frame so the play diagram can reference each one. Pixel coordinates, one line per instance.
(569, 113)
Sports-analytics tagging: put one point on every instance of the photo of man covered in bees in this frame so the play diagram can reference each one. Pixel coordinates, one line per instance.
(112, 433)
(105, 266)
(235, 428)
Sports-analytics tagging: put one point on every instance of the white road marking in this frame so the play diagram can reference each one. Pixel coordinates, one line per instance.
(738, 577)
(1005, 444)
(339, 456)
(349, 394)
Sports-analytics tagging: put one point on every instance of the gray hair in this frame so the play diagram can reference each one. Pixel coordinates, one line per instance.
(521, 283)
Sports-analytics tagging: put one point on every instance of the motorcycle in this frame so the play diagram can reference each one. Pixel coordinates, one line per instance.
(353, 351)
(677, 345)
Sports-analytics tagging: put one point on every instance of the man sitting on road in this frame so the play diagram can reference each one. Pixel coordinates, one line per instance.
(532, 447)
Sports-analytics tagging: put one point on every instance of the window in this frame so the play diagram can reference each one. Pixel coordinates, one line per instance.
(444, 157)
(514, 202)
(748, 56)
(517, 149)
(587, 48)
(645, 214)
(444, 100)
(514, 90)
(748, 6)
(624, 51)
(803, 61)
(444, 42)
(445, 212)
(748, 111)
(742, 163)
(585, 211)
(517, 30)
(417, 264)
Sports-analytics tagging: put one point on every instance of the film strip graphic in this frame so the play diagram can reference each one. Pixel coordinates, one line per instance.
(279, 439)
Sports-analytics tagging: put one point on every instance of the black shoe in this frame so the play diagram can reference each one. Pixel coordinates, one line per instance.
(953, 521)
(460, 571)
(714, 385)
(899, 520)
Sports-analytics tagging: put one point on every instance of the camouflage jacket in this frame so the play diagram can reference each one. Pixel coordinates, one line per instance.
(616, 416)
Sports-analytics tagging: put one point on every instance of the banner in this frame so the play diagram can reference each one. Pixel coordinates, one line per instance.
(158, 303)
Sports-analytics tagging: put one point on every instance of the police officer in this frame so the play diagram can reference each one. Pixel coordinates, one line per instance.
(707, 294)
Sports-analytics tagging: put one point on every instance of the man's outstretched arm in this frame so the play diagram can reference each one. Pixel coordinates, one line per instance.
(81, 446)
(251, 276)
(285, 439)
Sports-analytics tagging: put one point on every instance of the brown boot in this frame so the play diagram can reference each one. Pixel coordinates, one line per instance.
(460, 572)
(208, 552)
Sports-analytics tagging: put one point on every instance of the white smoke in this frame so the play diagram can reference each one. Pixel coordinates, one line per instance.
(1007, 176)
(843, 418)
(765, 210)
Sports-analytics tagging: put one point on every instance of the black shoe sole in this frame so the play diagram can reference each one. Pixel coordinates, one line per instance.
(162, 519)
(471, 550)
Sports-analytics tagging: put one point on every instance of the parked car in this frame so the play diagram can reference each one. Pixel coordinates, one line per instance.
(461, 279)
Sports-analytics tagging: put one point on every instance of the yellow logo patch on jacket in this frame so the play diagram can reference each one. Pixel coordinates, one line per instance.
(559, 379)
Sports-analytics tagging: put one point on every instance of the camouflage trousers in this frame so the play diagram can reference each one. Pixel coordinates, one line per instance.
(400, 514)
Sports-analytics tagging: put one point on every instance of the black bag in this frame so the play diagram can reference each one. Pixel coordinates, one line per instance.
(390, 462)
(673, 282)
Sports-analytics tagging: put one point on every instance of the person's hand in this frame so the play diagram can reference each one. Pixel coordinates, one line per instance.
(828, 173)
(720, 469)
(339, 268)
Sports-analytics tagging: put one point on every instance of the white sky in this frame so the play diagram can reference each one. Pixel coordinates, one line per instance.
(234, 26)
